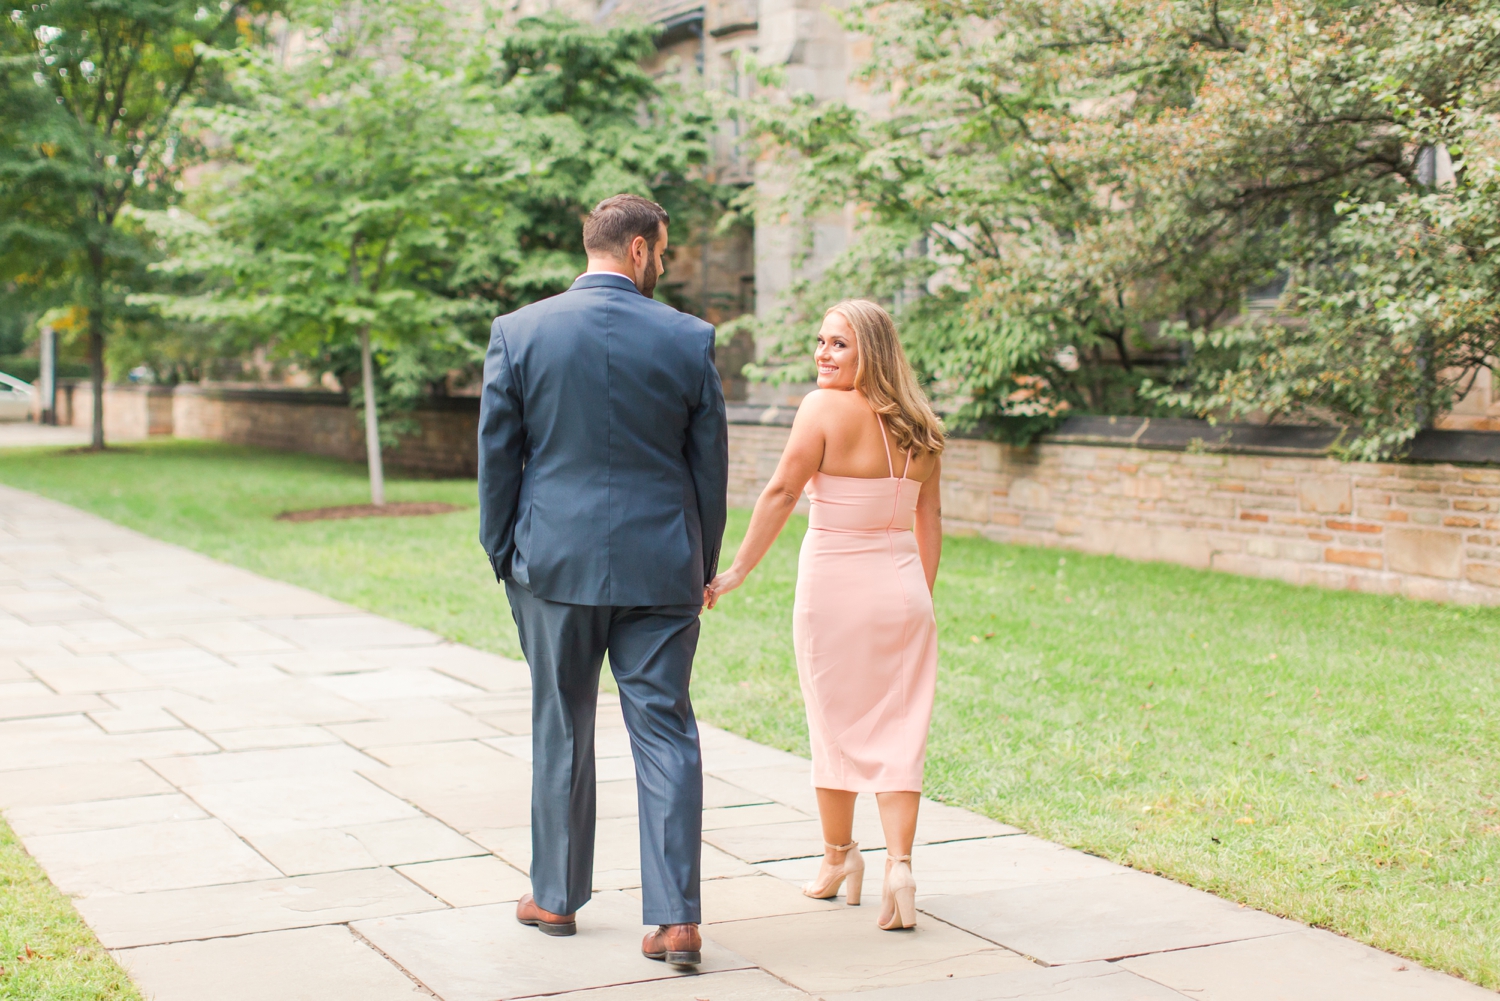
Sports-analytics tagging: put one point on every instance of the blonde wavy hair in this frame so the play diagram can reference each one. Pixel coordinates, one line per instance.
(884, 377)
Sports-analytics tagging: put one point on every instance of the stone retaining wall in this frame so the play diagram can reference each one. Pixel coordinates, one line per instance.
(440, 438)
(1422, 530)
(130, 412)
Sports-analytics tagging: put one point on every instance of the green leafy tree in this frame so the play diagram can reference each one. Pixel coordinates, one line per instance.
(1394, 328)
(349, 192)
(90, 92)
(400, 183)
(575, 110)
(1067, 197)
(1393, 312)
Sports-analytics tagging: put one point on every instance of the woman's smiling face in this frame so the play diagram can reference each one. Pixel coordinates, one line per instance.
(837, 353)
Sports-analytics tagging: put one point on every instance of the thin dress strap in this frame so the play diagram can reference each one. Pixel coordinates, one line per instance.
(886, 448)
(908, 464)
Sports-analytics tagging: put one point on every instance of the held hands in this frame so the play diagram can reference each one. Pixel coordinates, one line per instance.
(722, 585)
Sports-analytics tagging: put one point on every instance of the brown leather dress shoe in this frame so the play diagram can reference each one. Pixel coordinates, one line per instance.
(680, 946)
(544, 921)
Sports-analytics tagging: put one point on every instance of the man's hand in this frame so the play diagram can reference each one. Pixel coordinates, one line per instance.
(722, 585)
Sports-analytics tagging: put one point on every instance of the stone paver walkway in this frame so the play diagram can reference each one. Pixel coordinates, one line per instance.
(25, 434)
(255, 793)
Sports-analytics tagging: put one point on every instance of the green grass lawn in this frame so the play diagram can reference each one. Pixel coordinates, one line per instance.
(1331, 757)
(47, 953)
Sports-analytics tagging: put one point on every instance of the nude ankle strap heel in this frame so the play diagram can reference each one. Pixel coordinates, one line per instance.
(830, 878)
(854, 869)
(899, 892)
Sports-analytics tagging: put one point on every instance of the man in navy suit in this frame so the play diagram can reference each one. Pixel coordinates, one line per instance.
(603, 467)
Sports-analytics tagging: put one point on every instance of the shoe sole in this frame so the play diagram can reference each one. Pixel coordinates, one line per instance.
(549, 928)
(677, 960)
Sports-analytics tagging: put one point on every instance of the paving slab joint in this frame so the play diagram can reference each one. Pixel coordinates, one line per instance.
(359, 937)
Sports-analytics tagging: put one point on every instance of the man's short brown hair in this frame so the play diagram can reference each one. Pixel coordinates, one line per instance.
(615, 223)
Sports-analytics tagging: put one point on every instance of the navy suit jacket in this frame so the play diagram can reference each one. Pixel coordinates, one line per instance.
(603, 449)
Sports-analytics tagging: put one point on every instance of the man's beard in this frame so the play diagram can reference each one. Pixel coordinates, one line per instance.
(647, 282)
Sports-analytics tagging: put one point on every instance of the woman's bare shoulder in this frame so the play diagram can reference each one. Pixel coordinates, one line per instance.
(926, 465)
(821, 398)
(831, 403)
(813, 408)
(835, 414)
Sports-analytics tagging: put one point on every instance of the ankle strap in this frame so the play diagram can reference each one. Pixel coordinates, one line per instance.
(841, 848)
(898, 858)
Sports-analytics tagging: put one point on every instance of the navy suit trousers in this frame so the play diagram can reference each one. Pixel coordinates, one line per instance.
(651, 656)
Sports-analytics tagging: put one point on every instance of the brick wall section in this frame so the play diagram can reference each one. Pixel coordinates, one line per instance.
(131, 413)
(441, 444)
(1422, 530)
(1425, 531)
(330, 429)
(753, 454)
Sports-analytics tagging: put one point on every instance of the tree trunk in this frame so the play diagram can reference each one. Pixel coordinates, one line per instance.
(96, 371)
(372, 426)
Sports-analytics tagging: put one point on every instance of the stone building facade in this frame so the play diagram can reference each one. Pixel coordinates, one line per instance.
(1479, 410)
(713, 44)
(709, 43)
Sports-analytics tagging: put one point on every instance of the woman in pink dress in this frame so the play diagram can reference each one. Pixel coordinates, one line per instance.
(866, 448)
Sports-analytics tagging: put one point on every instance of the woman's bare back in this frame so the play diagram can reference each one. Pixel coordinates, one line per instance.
(853, 441)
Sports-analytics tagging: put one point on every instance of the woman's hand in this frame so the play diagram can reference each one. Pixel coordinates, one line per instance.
(722, 585)
(799, 461)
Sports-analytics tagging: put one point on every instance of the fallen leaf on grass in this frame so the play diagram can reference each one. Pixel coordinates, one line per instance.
(1245, 820)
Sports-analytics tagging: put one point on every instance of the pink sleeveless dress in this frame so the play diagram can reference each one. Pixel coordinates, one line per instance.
(864, 633)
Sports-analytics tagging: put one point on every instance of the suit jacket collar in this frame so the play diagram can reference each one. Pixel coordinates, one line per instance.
(604, 279)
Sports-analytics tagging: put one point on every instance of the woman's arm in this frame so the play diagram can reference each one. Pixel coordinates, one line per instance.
(802, 457)
(929, 526)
